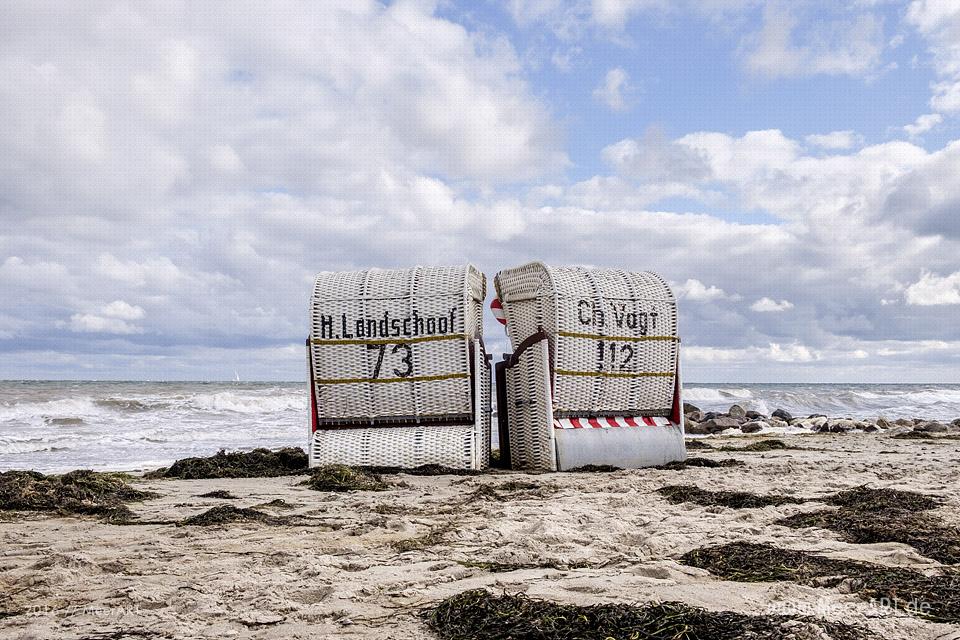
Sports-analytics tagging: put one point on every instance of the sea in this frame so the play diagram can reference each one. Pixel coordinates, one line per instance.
(57, 426)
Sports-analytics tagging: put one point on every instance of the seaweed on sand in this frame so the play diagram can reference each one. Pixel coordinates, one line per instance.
(913, 435)
(867, 516)
(509, 489)
(770, 444)
(219, 494)
(506, 567)
(227, 514)
(422, 470)
(933, 597)
(78, 492)
(861, 526)
(698, 444)
(478, 614)
(339, 477)
(594, 468)
(680, 465)
(676, 494)
(866, 498)
(259, 463)
(434, 536)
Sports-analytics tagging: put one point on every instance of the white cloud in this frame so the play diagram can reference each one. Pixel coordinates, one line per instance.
(159, 271)
(123, 310)
(612, 90)
(792, 353)
(835, 140)
(932, 289)
(696, 291)
(90, 323)
(656, 159)
(839, 47)
(768, 305)
(939, 22)
(114, 318)
(773, 352)
(923, 124)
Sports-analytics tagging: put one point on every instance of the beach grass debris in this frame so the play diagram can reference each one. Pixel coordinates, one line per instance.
(676, 494)
(422, 470)
(594, 468)
(81, 492)
(862, 526)
(479, 614)
(680, 465)
(769, 444)
(507, 567)
(510, 490)
(883, 499)
(126, 634)
(694, 445)
(340, 477)
(433, 537)
(227, 514)
(259, 463)
(219, 494)
(867, 516)
(924, 435)
(935, 597)
(276, 503)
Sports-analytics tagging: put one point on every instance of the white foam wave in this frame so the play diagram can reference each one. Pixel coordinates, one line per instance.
(707, 394)
(249, 403)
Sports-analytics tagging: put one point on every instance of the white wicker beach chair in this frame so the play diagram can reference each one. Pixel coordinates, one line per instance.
(594, 376)
(398, 371)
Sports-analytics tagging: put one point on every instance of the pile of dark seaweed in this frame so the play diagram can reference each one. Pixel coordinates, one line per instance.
(480, 615)
(78, 492)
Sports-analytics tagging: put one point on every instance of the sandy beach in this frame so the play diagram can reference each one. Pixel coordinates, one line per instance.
(364, 564)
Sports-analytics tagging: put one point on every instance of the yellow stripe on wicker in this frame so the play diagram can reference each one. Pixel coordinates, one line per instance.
(397, 340)
(615, 374)
(570, 334)
(446, 376)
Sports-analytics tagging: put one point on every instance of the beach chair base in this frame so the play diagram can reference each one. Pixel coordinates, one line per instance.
(538, 440)
(465, 445)
(626, 447)
(454, 446)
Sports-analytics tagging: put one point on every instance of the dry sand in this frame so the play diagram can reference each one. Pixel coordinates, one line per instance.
(342, 577)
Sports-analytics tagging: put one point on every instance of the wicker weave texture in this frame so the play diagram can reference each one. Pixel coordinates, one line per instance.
(450, 446)
(483, 412)
(613, 335)
(529, 408)
(389, 344)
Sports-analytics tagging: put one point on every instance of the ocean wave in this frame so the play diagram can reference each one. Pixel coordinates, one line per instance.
(39, 412)
(228, 401)
(707, 394)
(18, 445)
(131, 404)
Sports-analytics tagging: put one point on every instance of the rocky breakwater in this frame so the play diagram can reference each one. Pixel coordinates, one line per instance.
(698, 422)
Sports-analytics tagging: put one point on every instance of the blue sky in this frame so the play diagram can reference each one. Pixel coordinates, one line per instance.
(170, 179)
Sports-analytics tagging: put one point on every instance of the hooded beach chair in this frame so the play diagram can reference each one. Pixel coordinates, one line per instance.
(398, 372)
(594, 374)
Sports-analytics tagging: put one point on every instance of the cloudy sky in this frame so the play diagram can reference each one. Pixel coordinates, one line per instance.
(173, 174)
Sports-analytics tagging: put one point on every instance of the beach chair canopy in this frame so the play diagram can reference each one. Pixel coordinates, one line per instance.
(612, 335)
(395, 346)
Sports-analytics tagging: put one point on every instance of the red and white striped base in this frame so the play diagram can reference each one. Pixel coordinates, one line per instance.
(609, 422)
